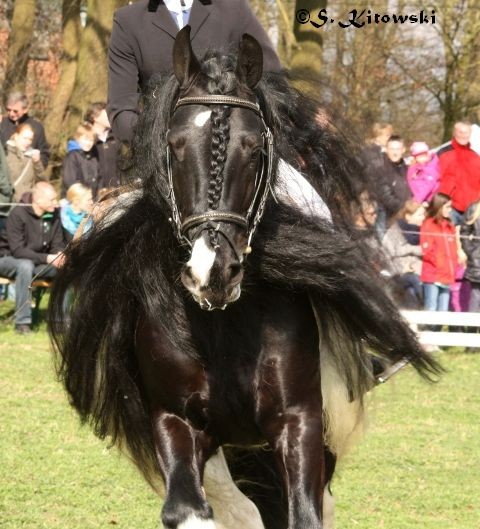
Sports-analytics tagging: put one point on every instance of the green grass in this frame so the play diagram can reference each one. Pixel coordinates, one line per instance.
(418, 466)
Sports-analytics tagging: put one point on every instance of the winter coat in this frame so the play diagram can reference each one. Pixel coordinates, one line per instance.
(471, 246)
(80, 167)
(6, 190)
(108, 158)
(439, 249)
(404, 257)
(24, 172)
(9, 127)
(460, 175)
(29, 236)
(424, 179)
(371, 157)
(71, 219)
(392, 187)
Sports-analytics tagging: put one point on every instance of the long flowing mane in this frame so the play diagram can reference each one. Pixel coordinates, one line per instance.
(128, 266)
(325, 155)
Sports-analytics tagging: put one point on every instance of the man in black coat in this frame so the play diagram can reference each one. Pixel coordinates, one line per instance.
(33, 239)
(142, 40)
(106, 144)
(392, 186)
(16, 106)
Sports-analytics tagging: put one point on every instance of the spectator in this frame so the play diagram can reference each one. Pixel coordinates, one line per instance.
(470, 239)
(423, 175)
(142, 40)
(439, 249)
(364, 215)
(372, 154)
(106, 144)
(393, 190)
(79, 204)
(24, 163)
(460, 171)
(17, 114)
(81, 162)
(32, 240)
(402, 248)
(6, 190)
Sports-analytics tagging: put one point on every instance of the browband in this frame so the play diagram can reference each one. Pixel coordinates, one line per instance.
(219, 100)
(219, 216)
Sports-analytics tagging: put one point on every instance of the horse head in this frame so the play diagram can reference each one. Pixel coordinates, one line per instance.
(218, 169)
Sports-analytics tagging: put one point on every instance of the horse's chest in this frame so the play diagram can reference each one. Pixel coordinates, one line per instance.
(222, 403)
(229, 406)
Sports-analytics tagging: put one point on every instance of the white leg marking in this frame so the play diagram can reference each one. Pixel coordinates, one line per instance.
(201, 261)
(192, 522)
(232, 509)
(328, 509)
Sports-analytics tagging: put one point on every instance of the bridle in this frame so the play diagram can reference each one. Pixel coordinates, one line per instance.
(263, 179)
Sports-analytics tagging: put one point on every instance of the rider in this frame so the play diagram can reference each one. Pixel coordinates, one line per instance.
(141, 44)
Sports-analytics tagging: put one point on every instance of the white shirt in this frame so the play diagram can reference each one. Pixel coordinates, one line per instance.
(180, 14)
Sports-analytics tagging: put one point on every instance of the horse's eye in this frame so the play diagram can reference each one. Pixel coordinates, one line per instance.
(178, 142)
(177, 147)
(255, 155)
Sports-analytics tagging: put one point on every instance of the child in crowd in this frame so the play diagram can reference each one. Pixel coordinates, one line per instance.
(81, 162)
(79, 204)
(402, 248)
(470, 239)
(24, 164)
(439, 247)
(423, 174)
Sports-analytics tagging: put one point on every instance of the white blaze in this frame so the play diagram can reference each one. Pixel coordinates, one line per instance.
(192, 522)
(201, 261)
(201, 118)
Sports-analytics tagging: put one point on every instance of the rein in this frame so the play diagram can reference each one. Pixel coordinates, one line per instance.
(264, 179)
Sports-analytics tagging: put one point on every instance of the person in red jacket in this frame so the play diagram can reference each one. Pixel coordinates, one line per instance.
(439, 249)
(460, 171)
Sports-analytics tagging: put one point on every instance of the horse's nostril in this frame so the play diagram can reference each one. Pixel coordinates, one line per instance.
(189, 278)
(235, 272)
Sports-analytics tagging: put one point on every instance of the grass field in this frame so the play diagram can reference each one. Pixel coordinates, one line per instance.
(418, 466)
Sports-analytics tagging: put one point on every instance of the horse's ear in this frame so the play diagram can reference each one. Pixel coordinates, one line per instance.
(250, 61)
(185, 64)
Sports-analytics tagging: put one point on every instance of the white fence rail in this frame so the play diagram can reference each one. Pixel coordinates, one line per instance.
(444, 338)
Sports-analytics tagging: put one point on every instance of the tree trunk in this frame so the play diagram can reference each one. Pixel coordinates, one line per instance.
(71, 31)
(19, 45)
(91, 79)
(307, 55)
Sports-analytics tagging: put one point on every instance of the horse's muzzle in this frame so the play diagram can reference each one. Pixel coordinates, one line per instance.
(210, 299)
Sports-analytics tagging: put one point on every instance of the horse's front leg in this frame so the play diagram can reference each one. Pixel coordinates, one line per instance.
(182, 453)
(289, 410)
(176, 388)
(296, 437)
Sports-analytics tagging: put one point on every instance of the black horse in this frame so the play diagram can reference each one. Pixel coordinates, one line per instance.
(281, 370)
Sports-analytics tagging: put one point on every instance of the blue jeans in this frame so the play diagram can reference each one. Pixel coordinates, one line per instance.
(413, 285)
(436, 297)
(23, 271)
